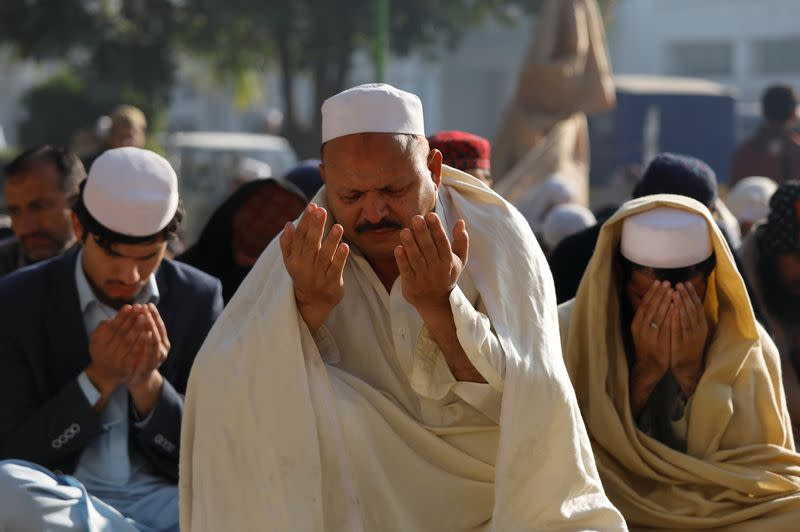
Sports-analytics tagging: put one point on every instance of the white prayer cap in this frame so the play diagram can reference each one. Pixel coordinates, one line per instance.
(131, 191)
(749, 199)
(251, 169)
(565, 220)
(666, 238)
(551, 191)
(372, 108)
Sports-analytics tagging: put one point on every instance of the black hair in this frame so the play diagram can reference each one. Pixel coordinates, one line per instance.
(69, 167)
(673, 275)
(778, 103)
(106, 237)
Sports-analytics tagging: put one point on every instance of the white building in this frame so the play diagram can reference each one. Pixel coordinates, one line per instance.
(746, 44)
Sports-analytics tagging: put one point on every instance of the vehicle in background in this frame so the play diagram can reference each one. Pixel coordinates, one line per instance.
(657, 114)
(208, 162)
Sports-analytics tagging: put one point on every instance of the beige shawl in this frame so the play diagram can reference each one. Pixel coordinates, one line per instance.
(740, 471)
(266, 421)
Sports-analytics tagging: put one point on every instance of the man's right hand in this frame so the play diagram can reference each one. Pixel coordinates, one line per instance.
(651, 340)
(316, 267)
(111, 349)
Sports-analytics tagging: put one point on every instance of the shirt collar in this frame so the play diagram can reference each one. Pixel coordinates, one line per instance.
(86, 295)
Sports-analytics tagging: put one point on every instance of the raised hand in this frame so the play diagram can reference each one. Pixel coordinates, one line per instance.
(689, 333)
(315, 266)
(429, 267)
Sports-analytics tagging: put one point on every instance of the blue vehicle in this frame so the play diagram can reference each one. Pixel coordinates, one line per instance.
(655, 114)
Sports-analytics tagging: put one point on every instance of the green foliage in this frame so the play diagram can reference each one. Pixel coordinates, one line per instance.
(113, 52)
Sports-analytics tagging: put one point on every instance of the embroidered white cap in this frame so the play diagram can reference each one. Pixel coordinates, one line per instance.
(372, 108)
(666, 238)
(132, 191)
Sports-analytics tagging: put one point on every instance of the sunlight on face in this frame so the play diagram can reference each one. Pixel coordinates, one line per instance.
(376, 183)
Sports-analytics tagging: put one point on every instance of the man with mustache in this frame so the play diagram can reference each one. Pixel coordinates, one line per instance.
(393, 361)
(40, 185)
(96, 349)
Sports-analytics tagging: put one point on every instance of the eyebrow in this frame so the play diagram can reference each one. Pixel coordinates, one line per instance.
(144, 257)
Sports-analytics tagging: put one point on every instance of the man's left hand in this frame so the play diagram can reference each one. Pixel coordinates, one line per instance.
(429, 266)
(689, 332)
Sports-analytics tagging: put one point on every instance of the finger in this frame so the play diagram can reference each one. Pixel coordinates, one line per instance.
(313, 238)
(439, 236)
(656, 304)
(403, 265)
(695, 298)
(413, 253)
(286, 239)
(161, 329)
(640, 317)
(329, 247)
(674, 326)
(663, 307)
(683, 302)
(461, 241)
(300, 231)
(424, 240)
(336, 269)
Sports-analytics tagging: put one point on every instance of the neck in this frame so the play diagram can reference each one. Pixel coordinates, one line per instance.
(387, 272)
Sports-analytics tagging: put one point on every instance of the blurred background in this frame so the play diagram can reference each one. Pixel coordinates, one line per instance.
(223, 81)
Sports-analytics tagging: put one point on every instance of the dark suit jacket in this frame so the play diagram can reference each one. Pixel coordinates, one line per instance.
(44, 415)
(9, 255)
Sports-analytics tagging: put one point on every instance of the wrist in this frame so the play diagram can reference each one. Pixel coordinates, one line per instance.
(314, 315)
(104, 384)
(146, 385)
(648, 371)
(687, 376)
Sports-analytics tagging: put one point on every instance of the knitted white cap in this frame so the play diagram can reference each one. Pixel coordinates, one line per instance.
(132, 191)
(666, 238)
(372, 108)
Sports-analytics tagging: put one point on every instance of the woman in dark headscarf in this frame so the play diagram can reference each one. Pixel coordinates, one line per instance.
(241, 228)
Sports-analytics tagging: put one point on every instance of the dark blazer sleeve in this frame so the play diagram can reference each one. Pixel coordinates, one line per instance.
(52, 433)
(159, 438)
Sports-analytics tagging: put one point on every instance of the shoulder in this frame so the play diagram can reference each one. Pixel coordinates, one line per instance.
(185, 278)
(28, 287)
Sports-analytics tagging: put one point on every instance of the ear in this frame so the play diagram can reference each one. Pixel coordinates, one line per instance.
(322, 172)
(435, 167)
(77, 228)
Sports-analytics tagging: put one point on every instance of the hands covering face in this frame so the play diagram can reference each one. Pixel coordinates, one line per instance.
(670, 331)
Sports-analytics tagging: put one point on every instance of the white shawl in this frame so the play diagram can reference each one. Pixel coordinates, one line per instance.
(262, 413)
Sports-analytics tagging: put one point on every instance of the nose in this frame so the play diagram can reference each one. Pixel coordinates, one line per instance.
(375, 209)
(128, 271)
(26, 223)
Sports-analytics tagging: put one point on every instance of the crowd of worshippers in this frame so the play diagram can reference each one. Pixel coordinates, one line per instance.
(371, 342)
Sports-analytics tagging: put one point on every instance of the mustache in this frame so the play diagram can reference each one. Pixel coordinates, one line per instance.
(383, 224)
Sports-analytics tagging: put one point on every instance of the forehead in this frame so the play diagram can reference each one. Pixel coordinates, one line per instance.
(369, 160)
(140, 250)
(40, 174)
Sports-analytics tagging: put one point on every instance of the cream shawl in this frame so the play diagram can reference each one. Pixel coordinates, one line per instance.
(266, 420)
(740, 471)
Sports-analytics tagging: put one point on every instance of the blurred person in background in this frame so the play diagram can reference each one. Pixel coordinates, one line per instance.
(40, 186)
(749, 201)
(771, 264)
(554, 190)
(563, 221)
(241, 229)
(466, 152)
(307, 177)
(774, 150)
(127, 127)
